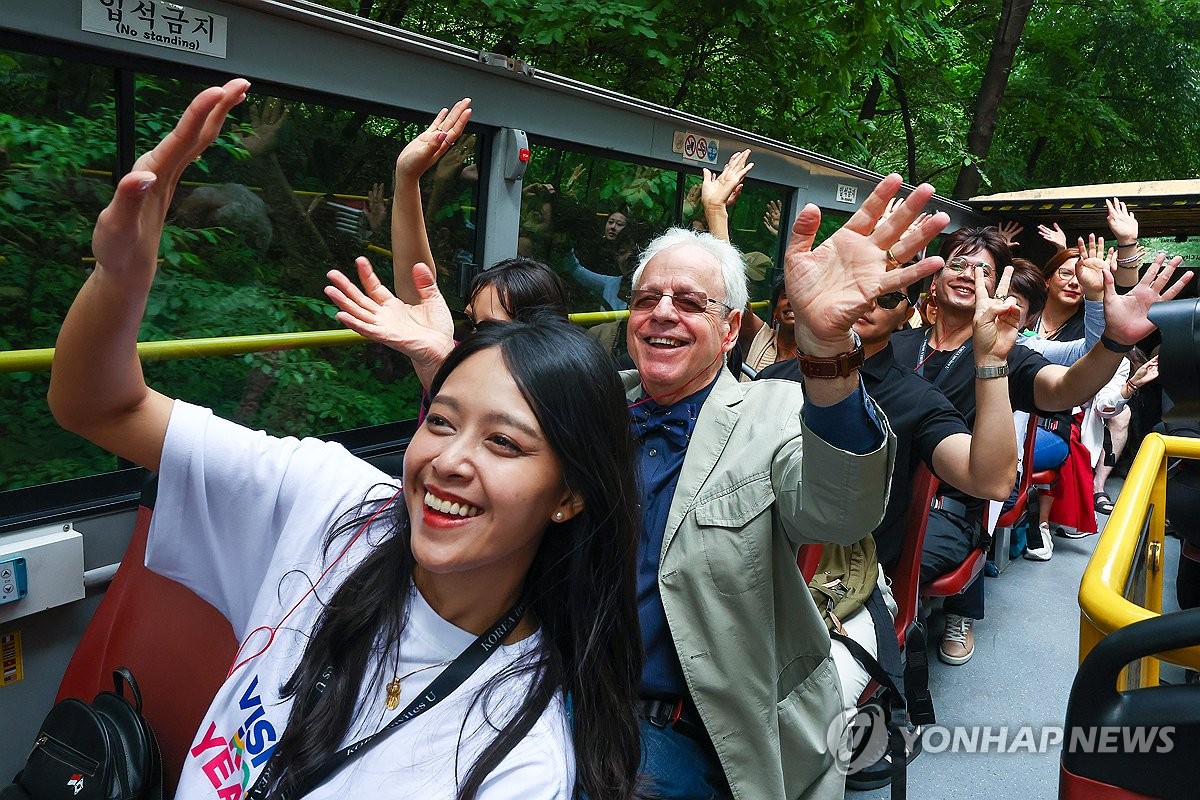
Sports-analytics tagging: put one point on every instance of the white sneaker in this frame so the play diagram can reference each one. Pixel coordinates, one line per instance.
(958, 642)
(1044, 552)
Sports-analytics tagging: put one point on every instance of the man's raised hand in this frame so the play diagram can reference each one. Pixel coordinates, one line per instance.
(832, 285)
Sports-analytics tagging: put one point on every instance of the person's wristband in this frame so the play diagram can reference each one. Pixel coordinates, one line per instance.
(1131, 244)
(1132, 261)
(990, 373)
(1114, 346)
(1132, 389)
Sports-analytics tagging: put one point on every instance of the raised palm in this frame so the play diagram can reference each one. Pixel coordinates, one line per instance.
(1127, 316)
(424, 332)
(423, 152)
(1091, 266)
(831, 286)
(128, 231)
(996, 318)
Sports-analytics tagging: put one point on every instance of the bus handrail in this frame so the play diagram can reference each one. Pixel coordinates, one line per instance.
(39, 360)
(1141, 506)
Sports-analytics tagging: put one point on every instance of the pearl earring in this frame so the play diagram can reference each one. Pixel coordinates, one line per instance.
(558, 516)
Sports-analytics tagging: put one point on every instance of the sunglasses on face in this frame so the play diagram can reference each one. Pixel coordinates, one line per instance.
(686, 302)
(891, 299)
(958, 265)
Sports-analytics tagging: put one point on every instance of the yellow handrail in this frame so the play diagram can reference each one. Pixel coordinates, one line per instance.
(1103, 605)
(39, 360)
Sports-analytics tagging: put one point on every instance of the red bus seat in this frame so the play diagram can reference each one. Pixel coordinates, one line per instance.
(906, 573)
(178, 647)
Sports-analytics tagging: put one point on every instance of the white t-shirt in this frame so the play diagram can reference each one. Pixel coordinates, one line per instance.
(241, 519)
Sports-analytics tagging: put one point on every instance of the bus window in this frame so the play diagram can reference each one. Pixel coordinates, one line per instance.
(587, 217)
(749, 228)
(292, 189)
(57, 154)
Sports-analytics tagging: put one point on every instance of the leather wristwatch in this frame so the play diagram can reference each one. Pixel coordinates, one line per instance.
(839, 366)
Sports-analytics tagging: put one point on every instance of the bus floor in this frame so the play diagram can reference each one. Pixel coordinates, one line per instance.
(1026, 655)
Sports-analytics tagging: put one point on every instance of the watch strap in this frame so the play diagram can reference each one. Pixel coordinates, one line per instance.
(839, 366)
(988, 372)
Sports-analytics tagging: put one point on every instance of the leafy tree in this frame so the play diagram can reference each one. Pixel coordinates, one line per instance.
(1080, 92)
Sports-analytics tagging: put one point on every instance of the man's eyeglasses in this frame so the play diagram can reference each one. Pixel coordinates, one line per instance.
(958, 265)
(687, 302)
(891, 299)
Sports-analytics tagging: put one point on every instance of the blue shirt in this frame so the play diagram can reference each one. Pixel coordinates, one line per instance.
(850, 425)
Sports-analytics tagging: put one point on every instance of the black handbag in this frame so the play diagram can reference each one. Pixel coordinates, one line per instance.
(103, 750)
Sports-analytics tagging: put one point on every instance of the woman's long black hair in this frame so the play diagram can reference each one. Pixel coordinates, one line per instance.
(580, 587)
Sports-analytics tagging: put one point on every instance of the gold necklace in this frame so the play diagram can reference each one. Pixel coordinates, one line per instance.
(392, 702)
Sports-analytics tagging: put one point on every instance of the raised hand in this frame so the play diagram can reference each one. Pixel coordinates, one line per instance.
(125, 239)
(894, 204)
(266, 121)
(377, 207)
(1146, 373)
(1126, 316)
(996, 320)
(423, 152)
(1054, 235)
(455, 159)
(1122, 222)
(772, 216)
(1091, 266)
(1011, 230)
(831, 286)
(723, 190)
(424, 332)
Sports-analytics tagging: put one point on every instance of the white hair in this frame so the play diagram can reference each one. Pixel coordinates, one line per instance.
(728, 258)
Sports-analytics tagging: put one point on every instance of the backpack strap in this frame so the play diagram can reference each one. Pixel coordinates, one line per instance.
(893, 694)
(122, 675)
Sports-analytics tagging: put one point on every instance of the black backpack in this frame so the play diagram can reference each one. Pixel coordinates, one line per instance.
(103, 750)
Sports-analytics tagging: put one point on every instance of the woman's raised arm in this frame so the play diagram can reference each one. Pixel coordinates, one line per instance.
(410, 240)
(96, 384)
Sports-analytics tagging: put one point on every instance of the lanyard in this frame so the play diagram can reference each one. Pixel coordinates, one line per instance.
(940, 378)
(447, 681)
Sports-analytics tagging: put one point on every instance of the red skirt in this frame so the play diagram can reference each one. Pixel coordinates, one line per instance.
(1074, 506)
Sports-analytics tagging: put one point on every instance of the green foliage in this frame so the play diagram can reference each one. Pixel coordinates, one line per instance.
(1097, 93)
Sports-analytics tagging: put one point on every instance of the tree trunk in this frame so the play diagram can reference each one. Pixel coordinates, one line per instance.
(892, 66)
(1034, 155)
(870, 103)
(910, 138)
(991, 92)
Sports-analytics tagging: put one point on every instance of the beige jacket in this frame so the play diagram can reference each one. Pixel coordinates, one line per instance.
(755, 485)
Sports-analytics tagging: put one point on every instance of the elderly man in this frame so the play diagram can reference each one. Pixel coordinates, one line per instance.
(738, 687)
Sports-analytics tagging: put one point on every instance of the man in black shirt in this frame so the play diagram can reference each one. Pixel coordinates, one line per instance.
(927, 426)
(943, 353)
